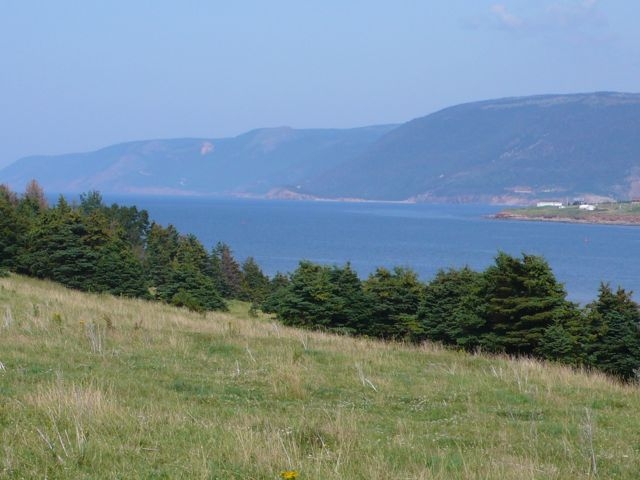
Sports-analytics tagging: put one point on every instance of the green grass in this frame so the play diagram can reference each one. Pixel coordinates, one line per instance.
(97, 387)
(616, 213)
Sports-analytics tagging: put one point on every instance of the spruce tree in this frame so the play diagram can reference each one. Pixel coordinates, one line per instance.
(226, 271)
(522, 299)
(395, 297)
(614, 333)
(255, 284)
(55, 248)
(9, 227)
(451, 310)
(161, 249)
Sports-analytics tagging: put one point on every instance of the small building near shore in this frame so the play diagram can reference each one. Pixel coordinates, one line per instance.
(587, 206)
(549, 204)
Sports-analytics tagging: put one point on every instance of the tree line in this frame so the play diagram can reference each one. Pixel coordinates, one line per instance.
(515, 306)
(118, 250)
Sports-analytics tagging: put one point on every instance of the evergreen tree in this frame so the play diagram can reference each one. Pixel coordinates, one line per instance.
(91, 202)
(28, 210)
(614, 333)
(303, 301)
(191, 252)
(188, 284)
(451, 310)
(324, 297)
(566, 339)
(134, 224)
(255, 284)
(348, 306)
(522, 299)
(161, 249)
(188, 287)
(277, 290)
(226, 271)
(119, 271)
(395, 297)
(55, 249)
(9, 227)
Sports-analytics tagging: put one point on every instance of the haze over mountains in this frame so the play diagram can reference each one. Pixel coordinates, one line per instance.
(514, 150)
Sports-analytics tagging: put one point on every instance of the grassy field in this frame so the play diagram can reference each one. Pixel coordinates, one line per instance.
(610, 213)
(97, 387)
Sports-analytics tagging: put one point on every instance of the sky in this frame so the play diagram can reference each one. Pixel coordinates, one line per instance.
(78, 75)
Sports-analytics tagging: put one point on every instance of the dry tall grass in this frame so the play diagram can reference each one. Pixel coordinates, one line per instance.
(97, 387)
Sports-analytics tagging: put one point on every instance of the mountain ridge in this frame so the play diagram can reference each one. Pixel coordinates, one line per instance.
(510, 150)
(468, 151)
(254, 163)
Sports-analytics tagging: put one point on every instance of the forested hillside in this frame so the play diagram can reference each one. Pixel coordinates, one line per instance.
(515, 306)
(253, 163)
(507, 150)
(513, 150)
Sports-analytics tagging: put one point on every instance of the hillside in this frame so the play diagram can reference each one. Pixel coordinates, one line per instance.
(250, 164)
(513, 150)
(509, 150)
(98, 387)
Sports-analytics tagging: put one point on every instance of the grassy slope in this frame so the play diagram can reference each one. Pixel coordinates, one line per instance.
(96, 387)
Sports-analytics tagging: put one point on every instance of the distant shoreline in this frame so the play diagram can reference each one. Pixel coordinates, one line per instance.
(604, 214)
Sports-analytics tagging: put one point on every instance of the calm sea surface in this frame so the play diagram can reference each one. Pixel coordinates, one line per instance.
(278, 234)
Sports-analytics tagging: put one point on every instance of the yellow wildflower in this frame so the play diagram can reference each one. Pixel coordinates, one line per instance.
(289, 474)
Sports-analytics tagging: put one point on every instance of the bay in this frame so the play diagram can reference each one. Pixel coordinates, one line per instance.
(278, 234)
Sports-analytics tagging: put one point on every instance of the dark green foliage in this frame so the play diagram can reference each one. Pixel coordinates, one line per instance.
(566, 340)
(302, 303)
(9, 229)
(188, 300)
(119, 271)
(134, 224)
(348, 307)
(451, 310)
(161, 249)
(90, 202)
(184, 280)
(101, 249)
(191, 252)
(19, 220)
(255, 284)
(515, 306)
(325, 297)
(277, 291)
(521, 300)
(614, 333)
(226, 271)
(55, 248)
(188, 287)
(394, 297)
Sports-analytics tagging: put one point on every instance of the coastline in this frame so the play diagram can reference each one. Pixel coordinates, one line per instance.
(594, 219)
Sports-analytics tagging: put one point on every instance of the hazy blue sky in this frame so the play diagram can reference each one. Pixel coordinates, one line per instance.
(79, 75)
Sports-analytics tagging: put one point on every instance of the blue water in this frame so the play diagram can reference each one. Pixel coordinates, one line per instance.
(278, 234)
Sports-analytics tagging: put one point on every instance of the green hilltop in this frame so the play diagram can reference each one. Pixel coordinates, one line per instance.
(93, 386)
